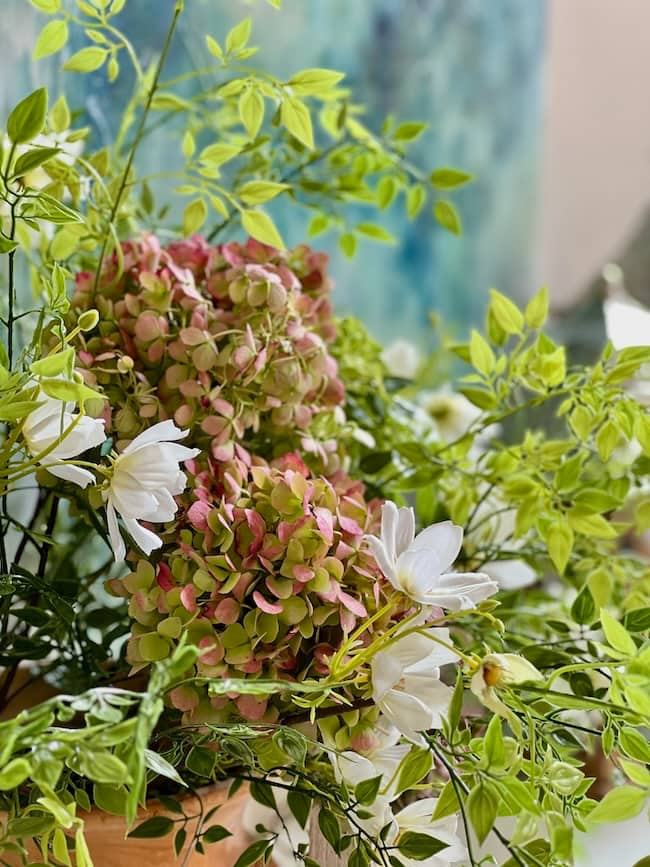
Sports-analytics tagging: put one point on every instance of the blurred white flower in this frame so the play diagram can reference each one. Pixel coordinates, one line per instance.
(452, 412)
(55, 419)
(417, 565)
(496, 526)
(38, 178)
(417, 817)
(402, 358)
(145, 479)
(406, 685)
(502, 670)
(283, 823)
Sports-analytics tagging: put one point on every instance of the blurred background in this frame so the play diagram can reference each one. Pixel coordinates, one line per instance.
(542, 100)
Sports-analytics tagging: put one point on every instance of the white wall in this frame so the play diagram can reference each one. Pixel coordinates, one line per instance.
(596, 172)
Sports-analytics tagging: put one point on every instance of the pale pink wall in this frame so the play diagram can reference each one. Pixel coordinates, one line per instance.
(596, 174)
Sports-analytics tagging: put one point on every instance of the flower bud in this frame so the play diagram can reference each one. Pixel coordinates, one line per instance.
(88, 320)
(125, 364)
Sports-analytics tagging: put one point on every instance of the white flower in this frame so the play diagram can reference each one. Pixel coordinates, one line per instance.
(452, 412)
(145, 480)
(283, 823)
(51, 420)
(406, 684)
(499, 670)
(401, 358)
(417, 565)
(417, 817)
(496, 526)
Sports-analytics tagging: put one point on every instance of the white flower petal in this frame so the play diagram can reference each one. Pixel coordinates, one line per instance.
(117, 543)
(161, 432)
(444, 538)
(144, 539)
(511, 574)
(384, 562)
(77, 475)
(405, 530)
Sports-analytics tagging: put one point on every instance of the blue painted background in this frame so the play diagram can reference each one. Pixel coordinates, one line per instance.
(471, 68)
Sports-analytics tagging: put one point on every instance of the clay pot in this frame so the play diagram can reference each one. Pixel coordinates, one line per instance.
(105, 835)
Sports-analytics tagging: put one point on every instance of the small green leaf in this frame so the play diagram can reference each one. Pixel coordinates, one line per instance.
(506, 313)
(583, 609)
(87, 60)
(329, 827)
(194, 216)
(482, 807)
(448, 178)
(386, 191)
(414, 768)
(262, 792)
(215, 833)
(156, 826)
(537, 309)
(409, 131)
(310, 82)
(348, 244)
(415, 199)
(217, 154)
(300, 806)
(13, 774)
(447, 216)
(253, 854)
(481, 354)
(50, 7)
(60, 115)
(418, 846)
(559, 538)
(28, 118)
(260, 226)
(251, 110)
(214, 47)
(621, 803)
(493, 745)
(616, 634)
(51, 39)
(27, 162)
(296, 118)
(238, 37)
(366, 792)
(6, 245)
(447, 803)
(257, 192)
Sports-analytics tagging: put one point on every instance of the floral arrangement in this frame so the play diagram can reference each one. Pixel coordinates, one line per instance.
(242, 542)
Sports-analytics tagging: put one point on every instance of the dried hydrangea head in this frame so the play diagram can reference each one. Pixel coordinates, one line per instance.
(230, 341)
(265, 570)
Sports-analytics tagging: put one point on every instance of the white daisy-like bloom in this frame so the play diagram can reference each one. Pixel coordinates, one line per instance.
(402, 358)
(406, 685)
(283, 823)
(417, 817)
(55, 420)
(145, 479)
(418, 566)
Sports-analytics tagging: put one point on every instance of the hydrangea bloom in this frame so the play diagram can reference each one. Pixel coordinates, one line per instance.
(224, 340)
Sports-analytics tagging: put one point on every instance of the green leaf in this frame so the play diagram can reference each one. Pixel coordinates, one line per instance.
(261, 227)
(537, 309)
(616, 634)
(448, 179)
(634, 744)
(296, 118)
(607, 439)
(559, 538)
(257, 192)
(214, 47)
(418, 846)
(156, 763)
(45, 207)
(319, 224)
(447, 216)
(215, 833)
(414, 768)
(262, 792)
(238, 37)
(156, 826)
(110, 799)
(300, 806)
(621, 803)
(583, 609)
(7, 246)
(481, 354)
(194, 216)
(87, 60)
(64, 390)
(493, 745)
(13, 774)
(348, 244)
(251, 110)
(50, 7)
(28, 118)
(506, 313)
(103, 767)
(254, 852)
(386, 191)
(310, 82)
(54, 365)
(366, 792)
(27, 162)
(409, 131)
(51, 39)
(637, 620)
(329, 827)
(415, 199)
(482, 807)
(377, 233)
(217, 154)
(447, 803)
